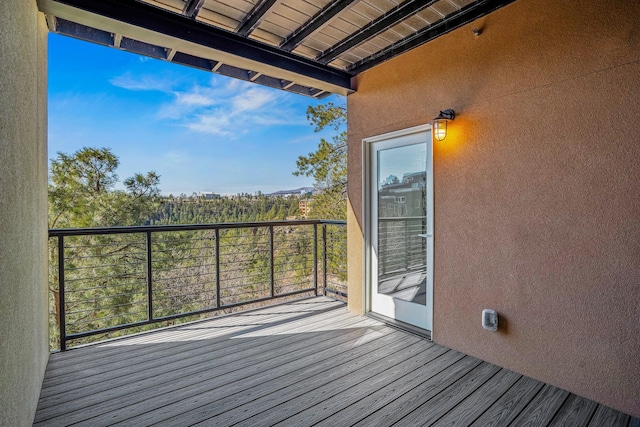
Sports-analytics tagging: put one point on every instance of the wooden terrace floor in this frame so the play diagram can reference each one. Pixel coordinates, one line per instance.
(304, 363)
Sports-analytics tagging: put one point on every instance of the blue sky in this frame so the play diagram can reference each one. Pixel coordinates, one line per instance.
(198, 130)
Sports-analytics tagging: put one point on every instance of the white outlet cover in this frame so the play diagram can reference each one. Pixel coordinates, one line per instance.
(490, 320)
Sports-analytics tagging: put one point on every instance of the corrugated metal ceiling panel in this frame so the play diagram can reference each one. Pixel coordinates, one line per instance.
(173, 5)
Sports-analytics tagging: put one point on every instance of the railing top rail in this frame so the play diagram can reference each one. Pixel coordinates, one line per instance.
(399, 218)
(55, 232)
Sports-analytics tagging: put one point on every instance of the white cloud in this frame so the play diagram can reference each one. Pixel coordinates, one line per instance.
(216, 124)
(252, 99)
(195, 99)
(146, 82)
(229, 109)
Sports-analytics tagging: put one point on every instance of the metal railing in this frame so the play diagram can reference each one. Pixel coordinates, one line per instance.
(107, 280)
(400, 247)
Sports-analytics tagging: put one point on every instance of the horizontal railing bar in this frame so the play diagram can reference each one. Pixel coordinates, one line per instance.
(170, 251)
(118, 285)
(113, 255)
(183, 240)
(206, 294)
(259, 286)
(102, 307)
(182, 276)
(104, 245)
(182, 227)
(177, 260)
(165, 292)
(105, 330)
(71, 302)
(133, 275)
(401, 218)
(102, 266)
(86, 319)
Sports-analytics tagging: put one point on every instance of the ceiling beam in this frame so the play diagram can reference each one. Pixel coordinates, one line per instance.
(462, 17)
(117, 40)
(255, 17)
(192, 8)
(51, 23)
(149, 24)
(375, 27)
(317, 22)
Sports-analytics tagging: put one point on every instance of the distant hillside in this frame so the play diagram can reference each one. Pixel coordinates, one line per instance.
(296, 192)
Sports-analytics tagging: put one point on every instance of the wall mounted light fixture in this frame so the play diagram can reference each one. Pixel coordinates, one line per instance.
(440, 124)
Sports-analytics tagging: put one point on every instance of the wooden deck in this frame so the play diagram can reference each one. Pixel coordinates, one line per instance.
(304, 363)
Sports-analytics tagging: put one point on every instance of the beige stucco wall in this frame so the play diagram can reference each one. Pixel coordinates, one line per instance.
(24, 347)
(537, 187)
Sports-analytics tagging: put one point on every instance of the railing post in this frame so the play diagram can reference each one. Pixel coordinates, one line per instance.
(149, 279)
(217, 246)
(271, 262)
(315, 257)
(61, 303)
(324, 259)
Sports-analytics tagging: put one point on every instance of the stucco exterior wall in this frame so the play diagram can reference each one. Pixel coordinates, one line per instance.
(24, 346)
(537, 187)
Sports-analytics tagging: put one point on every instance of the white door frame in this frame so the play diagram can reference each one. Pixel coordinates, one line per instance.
(367, 220)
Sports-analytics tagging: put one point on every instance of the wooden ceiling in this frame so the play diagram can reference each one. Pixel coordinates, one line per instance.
(310, 47)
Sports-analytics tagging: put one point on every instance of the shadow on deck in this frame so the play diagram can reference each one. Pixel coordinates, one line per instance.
(308, 362)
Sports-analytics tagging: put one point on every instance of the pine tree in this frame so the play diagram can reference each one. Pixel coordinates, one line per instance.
(328, 164)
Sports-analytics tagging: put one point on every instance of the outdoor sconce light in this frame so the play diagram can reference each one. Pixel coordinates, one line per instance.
(440, 124)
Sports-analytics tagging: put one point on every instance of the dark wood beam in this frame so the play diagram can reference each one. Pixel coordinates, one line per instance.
(255, 17)
(375, 27)
(465, 15)
(192, 8)
(314, 24)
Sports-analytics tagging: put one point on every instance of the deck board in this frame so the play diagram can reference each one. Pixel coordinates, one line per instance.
(360, 398)
(274, 405)
(370, 375)
(371, 406)
(543, 407)
(434, 408)
(480, 400)
(308, 362)
(576, 411)
(606, 417)
(506, 408)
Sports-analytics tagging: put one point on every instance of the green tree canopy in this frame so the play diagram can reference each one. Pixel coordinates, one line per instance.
(82, 191)
(328, 164)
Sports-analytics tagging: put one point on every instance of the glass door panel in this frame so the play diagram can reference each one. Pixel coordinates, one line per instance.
(401, 236)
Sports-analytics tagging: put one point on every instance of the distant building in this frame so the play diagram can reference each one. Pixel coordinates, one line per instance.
(298, 192)
(304, 205)
(403, 198)
(208, 195)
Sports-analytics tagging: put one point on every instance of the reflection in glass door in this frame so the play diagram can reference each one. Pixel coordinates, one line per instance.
(401, 236)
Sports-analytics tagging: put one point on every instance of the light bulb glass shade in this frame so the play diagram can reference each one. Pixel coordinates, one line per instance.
(440, 124)
(439, 129)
